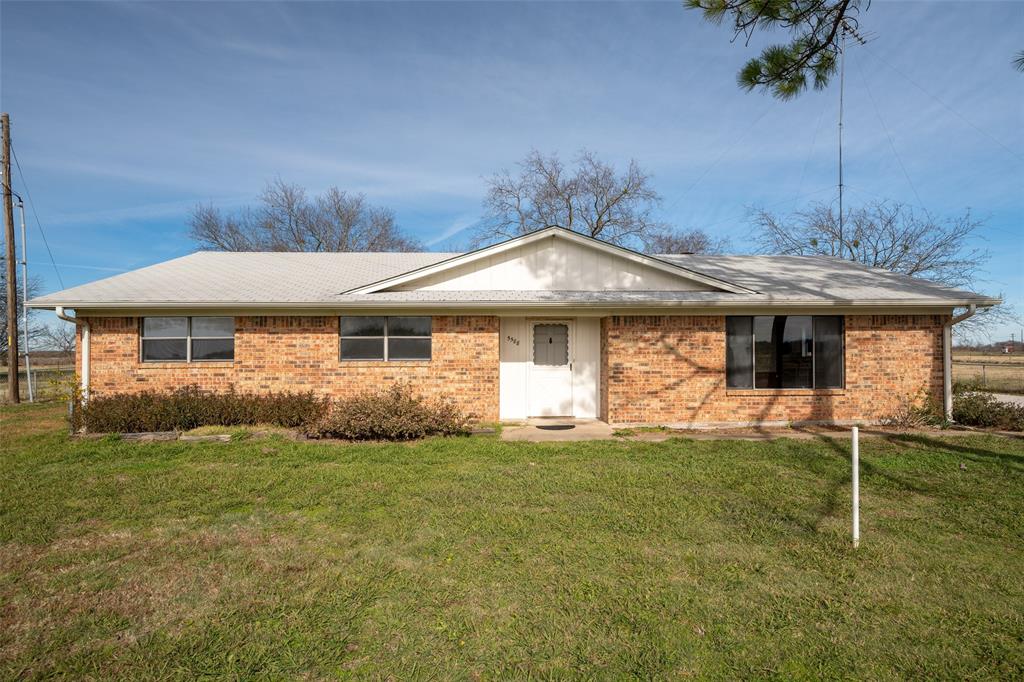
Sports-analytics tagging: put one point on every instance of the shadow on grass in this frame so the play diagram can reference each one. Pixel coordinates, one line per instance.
(976, 454)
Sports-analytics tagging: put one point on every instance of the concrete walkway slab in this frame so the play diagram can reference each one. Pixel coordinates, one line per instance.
(554, 429)
(1009, 398)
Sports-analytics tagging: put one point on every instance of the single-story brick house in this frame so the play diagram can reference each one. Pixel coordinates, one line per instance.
(550, 323)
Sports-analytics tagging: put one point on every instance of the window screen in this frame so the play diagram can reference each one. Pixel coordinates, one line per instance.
(828, 352)
(551, 344)
(739, 352)
(213, 338)
(784, 351)
(165, 339)
(385, 338)
(409, 338)
(187, 339)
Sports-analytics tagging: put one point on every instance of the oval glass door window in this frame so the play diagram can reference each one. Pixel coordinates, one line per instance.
(551, 345)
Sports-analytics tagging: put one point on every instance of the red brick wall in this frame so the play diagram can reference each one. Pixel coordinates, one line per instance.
(301, 354)
(671, 369)
(664, 369)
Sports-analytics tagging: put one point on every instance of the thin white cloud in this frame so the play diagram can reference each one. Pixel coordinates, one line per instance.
(459, 225)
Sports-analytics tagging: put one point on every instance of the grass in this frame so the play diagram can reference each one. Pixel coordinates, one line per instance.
(478, 558)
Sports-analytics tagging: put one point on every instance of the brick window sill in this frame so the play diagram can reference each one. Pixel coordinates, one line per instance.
(782, 392)
(383, 363)
(215, 364)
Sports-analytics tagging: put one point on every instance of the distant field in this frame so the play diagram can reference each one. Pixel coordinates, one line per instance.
(989, 358)
(999, 372)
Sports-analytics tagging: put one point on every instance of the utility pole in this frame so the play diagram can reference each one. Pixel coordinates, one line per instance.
(13, 390)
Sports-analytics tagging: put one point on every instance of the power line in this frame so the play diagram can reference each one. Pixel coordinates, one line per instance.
(740, 216)
(947, 107)
(721, 156)
(32, 204)
(888, 135)
(810, 152)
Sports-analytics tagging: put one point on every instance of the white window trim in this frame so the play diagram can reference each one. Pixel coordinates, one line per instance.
(385, 338)
(188, 339)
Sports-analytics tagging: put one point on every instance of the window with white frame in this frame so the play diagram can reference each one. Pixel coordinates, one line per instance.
(188, 339)
(385, 338)
(784, 351)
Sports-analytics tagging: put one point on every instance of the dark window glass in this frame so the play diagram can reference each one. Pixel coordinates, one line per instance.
(165, 327)
(215, 327)
(408, 326)
(408, 349)
(828, 352)
(789, 351)
(782, 351)
(739, 352)
(163, 349)
(362, 349)
(213, 349)
(362, 326)
(796, 365)
(767, 337)
(551, 345)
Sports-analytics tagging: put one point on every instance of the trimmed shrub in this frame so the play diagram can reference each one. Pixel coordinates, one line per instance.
(976, 408)
(395, 413)
(189, 407)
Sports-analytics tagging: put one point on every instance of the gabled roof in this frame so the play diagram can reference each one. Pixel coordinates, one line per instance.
(559, 233)
(243, 277)
(228, 280)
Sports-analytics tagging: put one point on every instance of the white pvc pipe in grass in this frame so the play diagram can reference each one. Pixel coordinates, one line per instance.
(855, 461)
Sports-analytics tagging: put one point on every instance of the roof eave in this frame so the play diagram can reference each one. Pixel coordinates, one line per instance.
(681, 303)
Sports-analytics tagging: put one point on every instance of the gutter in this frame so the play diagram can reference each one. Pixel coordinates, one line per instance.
(947, 360)
(85, 347)
(523, 303)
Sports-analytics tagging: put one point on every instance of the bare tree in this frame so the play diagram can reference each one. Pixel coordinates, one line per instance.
(34, 331)
(59, 337)
(692, 241)
(285, 219)
(890, 236)
(591, 198)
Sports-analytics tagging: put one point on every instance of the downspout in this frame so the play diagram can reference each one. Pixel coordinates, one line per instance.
(947, 360)
(85, 348)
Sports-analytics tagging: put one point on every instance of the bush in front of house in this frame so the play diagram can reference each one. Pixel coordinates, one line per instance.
(972, 407)
(395, 413)
(189, 407)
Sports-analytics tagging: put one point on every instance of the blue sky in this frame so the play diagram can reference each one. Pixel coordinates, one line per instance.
(127, 115)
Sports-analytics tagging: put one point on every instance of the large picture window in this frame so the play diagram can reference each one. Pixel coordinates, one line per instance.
(385, 338)
(188, 339)
(784, 351)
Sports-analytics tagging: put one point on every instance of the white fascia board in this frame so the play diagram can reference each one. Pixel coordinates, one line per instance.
(671, 307)
(560, 232)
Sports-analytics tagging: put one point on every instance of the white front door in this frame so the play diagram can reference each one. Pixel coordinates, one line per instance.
(550, 363)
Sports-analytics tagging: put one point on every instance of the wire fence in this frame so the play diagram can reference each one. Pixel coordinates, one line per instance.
(998, 377)
(48, 382)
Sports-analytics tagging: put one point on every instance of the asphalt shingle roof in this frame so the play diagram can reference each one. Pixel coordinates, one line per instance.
(318, 279)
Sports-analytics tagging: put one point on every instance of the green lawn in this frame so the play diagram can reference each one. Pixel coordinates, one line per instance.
(475, 558)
